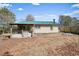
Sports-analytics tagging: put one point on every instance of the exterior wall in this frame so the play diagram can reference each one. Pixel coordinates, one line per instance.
(46, 29)
(55, 29)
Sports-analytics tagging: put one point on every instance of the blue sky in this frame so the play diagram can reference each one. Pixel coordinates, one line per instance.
(43, 11)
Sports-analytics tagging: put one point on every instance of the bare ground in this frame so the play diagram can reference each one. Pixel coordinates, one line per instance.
(56, 44)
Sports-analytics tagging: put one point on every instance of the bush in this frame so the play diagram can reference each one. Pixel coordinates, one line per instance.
(67, 29)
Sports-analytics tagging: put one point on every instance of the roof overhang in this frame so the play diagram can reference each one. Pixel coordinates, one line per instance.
(33, 23)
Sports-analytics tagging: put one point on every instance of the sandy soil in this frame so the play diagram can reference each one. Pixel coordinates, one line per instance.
(41, 45)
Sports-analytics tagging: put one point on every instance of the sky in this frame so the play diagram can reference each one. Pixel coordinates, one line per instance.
(42, 11)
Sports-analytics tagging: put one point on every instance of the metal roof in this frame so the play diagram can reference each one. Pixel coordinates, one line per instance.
(35, 22)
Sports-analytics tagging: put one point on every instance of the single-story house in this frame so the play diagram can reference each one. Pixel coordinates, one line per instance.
(37, 26)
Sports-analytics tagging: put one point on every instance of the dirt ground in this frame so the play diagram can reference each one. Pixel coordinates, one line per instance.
(56, 44)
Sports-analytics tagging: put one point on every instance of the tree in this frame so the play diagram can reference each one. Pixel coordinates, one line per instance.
(30, 18)
(75, 22)
(65, 20)
(6, 17)
(30, 28)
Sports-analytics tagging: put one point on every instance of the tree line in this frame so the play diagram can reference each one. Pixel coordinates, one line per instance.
(69, 24)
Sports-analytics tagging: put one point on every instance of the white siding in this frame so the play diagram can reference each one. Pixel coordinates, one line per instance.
(46, 29)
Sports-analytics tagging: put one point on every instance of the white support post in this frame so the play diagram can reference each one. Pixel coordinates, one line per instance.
(33, 30)
(22, 33)
(11, 30)
(3, 30)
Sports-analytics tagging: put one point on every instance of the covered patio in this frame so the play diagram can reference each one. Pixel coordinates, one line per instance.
(24, 30)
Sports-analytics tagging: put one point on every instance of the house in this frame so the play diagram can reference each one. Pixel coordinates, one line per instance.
(36, 27)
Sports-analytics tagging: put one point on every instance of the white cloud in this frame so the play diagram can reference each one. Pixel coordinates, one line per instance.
(5, 5)
(20, 9)
(76, 12)
(72, 13)
(68, 14)
(47, 17)
(35, 3)
(75, 5)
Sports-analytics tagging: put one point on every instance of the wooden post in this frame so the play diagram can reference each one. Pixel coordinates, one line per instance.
(3, 30)
(22, 33)
(33, 30)
(11, 30)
